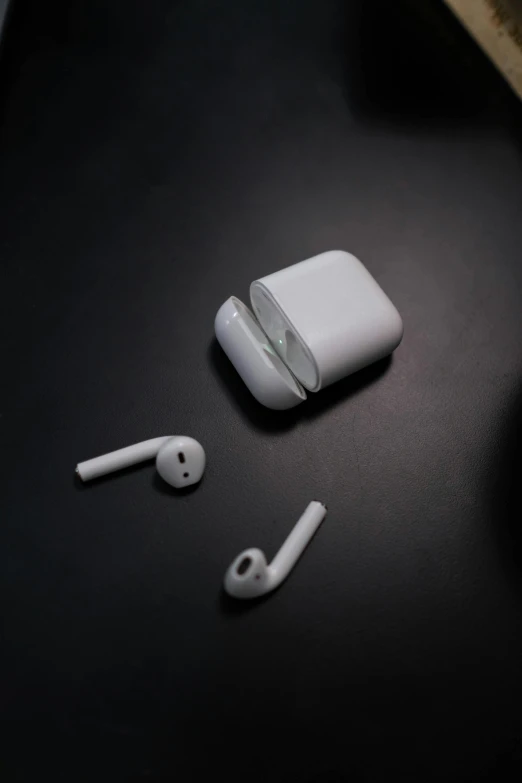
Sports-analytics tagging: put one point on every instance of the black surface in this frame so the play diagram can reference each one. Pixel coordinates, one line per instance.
(154, 159)
(4, 13)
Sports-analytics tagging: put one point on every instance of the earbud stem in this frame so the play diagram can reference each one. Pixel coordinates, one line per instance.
(297, 541)
(117, 460)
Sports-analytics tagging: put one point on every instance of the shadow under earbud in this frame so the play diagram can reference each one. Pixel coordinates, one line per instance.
(280, 421)
(116, 475)
(163, 488)
(157, 482)
(236, 606)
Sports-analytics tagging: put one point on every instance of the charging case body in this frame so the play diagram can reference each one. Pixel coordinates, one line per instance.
(312, 324)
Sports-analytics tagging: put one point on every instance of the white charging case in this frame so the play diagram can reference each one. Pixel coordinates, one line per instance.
(315, 322)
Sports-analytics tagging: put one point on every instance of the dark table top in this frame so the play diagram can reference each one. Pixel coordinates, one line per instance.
(155, 158)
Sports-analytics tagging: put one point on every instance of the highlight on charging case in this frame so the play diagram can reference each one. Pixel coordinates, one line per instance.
(315, 322)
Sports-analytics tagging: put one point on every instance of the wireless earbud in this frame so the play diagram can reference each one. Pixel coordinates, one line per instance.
(180, 460)
(250, 576)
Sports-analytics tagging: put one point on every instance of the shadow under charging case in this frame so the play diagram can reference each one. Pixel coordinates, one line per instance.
(313, 323)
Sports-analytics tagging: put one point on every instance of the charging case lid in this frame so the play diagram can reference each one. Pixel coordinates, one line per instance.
(250, 351)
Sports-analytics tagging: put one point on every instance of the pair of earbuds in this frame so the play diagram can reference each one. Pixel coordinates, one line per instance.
(181, 461)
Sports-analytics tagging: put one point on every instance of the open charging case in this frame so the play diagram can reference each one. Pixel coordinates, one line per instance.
(312, 324)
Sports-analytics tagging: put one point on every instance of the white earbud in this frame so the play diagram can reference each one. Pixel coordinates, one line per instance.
(250, 576)
(180, 460)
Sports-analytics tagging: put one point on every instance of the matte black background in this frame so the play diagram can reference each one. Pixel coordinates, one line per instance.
(154, 159)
